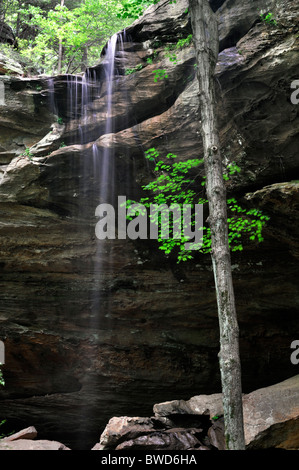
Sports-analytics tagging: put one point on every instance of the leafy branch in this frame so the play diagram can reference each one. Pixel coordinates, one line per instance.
(175, 184)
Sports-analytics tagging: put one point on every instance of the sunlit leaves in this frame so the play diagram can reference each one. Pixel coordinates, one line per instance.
(82, 31)
(134, 8)
(176, 183)
(160, 74)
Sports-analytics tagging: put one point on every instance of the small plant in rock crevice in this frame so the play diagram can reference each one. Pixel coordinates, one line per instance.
(170, 53)
(160, 74)
(27, 153)
(129, 71)
(268, 19)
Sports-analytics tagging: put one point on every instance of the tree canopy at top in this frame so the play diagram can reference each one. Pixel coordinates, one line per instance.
(66, 35)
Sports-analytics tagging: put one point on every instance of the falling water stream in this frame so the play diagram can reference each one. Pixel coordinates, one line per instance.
(96, 184)
(107, 162)
(104, 171)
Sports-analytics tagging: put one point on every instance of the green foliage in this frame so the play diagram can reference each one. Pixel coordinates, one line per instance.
(133, 69)
(243, 221)
(134, 8)
(184, 42)
(2, 381)
(14, 56)
(180, 44)
(80, 27)
(1, 424)
(175, 184)
(230, 170)
(160, 74)
(74, 31)
(268, 18)
(170, 51)
(27, 153)
(152, 57)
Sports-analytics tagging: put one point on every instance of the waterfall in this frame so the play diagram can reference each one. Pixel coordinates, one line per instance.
(96, 139)
(52, 101)
(107, 162)
(90, 99)
(103, 164)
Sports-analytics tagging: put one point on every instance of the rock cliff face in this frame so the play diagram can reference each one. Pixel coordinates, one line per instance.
(93, 332)
(6, 34)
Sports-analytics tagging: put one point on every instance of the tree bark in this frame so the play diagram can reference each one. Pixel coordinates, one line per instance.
(205, 37)
(60, 49)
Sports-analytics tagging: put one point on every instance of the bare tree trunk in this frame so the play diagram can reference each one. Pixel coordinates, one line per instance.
(60, 50)
(205, 37)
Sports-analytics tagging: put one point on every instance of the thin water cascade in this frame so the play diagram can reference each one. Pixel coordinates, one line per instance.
(103, 168)
(104, 173)
(95, 167)
(111, 172)
(101, 175)
(107, 182)
(52, 101)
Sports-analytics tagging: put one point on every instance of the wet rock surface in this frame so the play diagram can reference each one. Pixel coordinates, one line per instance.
(156, 336)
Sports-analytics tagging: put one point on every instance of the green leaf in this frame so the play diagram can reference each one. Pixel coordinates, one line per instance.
(174, 183)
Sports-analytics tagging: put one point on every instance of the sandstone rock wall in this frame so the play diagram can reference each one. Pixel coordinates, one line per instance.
(6, 34)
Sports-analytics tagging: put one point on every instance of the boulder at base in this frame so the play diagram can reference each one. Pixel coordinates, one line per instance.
(271, 420)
